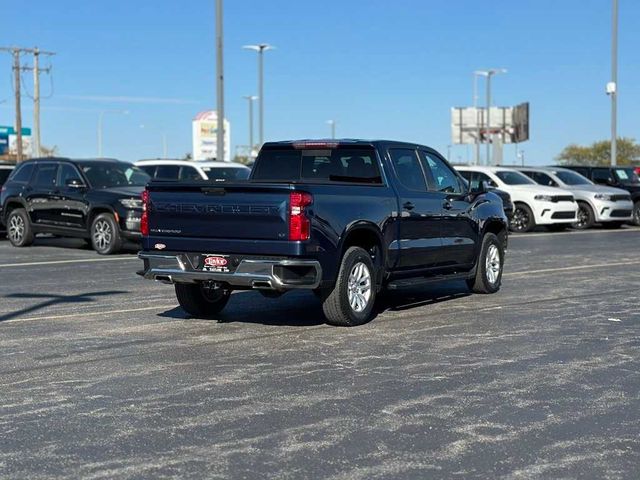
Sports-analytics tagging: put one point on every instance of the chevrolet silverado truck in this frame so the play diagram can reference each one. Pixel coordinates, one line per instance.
(345, 219)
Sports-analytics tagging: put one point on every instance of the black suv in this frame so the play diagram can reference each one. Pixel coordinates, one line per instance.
(619, 177)
(98, 200)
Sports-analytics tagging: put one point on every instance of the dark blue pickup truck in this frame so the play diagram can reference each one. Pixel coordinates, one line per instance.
(344, 218)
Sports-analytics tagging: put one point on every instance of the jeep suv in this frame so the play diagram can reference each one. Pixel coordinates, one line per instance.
(98, 200)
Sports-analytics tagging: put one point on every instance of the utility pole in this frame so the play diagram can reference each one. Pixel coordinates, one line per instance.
(477, 111)
(16, 51)
(260, 48)
(250, 99)
(488, 74)
(219, 84)
(36, 140)
(332, 123)
(612, 87)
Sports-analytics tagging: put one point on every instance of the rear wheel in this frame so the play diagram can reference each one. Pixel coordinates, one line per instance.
(585, 218)
(636, 214)
(488, 276)
(351, 301)
(200, 301)
(523, 219)
(105, 234)
(19, 229)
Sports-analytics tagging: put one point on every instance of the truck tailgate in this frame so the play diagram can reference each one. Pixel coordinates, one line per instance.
(209, 211)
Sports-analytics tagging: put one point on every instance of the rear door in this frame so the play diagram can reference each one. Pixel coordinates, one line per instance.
(419, 241)
(41, 194)
(458, 229)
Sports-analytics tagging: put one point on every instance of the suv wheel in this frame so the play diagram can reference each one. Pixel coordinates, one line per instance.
(585, 218)
(105, 235)
(19, 229)
(200, 301)
(636, 213)
(523, 219)
(489, 268)
(352, 299)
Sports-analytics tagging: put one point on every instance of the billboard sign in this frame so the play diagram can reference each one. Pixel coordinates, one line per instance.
(205, 128)
(508, 124)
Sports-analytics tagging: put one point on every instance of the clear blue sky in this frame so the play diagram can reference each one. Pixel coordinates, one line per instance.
(381, 68)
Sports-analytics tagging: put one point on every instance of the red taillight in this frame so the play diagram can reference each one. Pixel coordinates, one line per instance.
(299, 224)
(144, 219)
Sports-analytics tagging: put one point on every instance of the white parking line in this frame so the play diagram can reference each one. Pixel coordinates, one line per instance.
(58, 262)
(568, 269)
(573, 232)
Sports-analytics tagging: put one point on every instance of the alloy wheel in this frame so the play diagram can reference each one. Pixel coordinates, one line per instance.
(102, 235)
(16, 228)
(359, 287)
(520, 220)
(583, 218)
(493, 264)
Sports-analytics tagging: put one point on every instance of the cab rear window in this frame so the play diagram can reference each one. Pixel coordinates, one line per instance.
(321, 165)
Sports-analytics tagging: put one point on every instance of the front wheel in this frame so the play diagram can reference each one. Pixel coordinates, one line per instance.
(488, 276)
(200, 301)
(585, 218)
(105, 234)
(19, 229)
(523, 219)
(351, 301)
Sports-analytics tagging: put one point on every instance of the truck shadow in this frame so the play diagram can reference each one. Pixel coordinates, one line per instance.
(47, 300)
(303, 309)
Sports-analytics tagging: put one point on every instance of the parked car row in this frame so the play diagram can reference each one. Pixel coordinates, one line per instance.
(559, 197)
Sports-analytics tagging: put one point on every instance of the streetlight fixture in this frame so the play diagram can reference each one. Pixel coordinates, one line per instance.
(250, 99)
(332, 123)
(260, 48)
(488, 73)
(100, 121)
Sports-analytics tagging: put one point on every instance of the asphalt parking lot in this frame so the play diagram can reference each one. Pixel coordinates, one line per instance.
(102, 376)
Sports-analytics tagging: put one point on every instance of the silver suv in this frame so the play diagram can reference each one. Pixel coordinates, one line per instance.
(597, 203)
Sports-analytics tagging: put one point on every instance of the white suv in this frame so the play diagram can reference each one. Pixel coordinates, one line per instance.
(186, 170)
(533, 203)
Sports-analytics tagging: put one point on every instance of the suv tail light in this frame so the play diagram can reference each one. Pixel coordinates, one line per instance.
(299, 224)
(144, 219)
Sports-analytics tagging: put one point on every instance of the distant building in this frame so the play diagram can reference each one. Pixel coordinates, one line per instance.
(205, 125)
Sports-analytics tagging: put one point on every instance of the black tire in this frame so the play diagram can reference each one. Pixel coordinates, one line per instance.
(585, 217)
(105, 234)
(199, 301)
(336, 306)
(19, 231)
(636, 214)
(522, 219)
(483, 282)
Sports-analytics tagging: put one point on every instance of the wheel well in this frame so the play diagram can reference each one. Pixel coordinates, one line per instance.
(10, 207)
(498, 229)
(94, 213)
(369, 240)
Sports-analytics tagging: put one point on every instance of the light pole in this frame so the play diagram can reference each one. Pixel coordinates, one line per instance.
(612, 86)
(475, 106)
(260, 48)
(332, 123)
(250, 99)
(100, 121)
(488, 74)
(219, 85)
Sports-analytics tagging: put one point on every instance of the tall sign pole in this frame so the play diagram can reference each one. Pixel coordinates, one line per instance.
(612, 88)
(219, 83)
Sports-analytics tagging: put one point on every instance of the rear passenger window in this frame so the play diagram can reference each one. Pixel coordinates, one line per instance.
(22, 173)
(189, 173)
(148, 169)
(601, 175)
(407, 167)
(46, 175)
(277, 165)
(167, 172)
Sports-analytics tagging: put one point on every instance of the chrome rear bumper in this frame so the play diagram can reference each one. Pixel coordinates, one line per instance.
(280, 274)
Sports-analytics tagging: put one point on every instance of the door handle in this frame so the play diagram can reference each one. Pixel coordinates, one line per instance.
(447, 205)
(408, 206)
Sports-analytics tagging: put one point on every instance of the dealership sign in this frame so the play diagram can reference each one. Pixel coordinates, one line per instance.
(205, 129)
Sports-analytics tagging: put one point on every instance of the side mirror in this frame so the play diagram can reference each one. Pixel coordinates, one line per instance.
(74, 183)
(478, 187)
